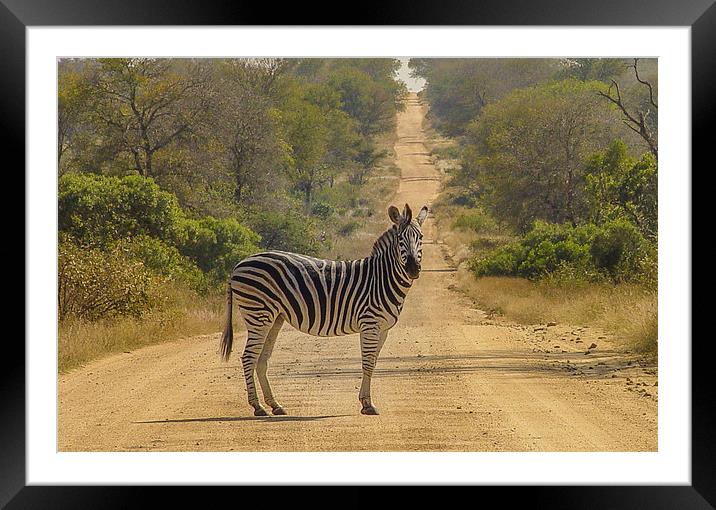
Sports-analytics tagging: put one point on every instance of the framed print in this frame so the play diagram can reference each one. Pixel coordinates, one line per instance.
(234, 297)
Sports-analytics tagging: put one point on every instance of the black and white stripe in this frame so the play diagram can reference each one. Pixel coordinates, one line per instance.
(324, 298)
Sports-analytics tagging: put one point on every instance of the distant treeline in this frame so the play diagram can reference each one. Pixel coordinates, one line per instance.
(172, 170)
(562, 152)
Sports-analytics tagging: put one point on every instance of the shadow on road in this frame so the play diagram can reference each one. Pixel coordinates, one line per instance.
(247, 418)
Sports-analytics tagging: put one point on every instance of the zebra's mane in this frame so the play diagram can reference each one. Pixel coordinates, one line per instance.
(384, 240)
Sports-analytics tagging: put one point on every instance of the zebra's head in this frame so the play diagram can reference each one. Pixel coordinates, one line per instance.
(410, 237)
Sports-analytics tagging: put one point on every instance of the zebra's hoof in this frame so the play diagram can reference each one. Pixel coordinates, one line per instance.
(260, 412)
(279, 411)
(369, 410)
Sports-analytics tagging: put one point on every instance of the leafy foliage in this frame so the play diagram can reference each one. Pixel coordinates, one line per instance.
(99, 210)
(619, 186)
(179, 168)
(475, 220)
(287, 231)
(619, 248)
(148, 223)
(166, 260)
(525, 152)
(94, 283)
(615, 250)
(215, 245)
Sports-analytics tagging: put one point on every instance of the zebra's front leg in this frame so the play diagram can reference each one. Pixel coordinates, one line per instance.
(371, 341)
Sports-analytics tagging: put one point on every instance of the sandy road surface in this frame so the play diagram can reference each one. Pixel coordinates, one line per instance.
(449, 378)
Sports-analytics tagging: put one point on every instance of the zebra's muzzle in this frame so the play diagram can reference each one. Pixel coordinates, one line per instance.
(412, 268)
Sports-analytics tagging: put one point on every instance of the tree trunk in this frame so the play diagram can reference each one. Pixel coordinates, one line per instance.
(148, 163)
(308, 196)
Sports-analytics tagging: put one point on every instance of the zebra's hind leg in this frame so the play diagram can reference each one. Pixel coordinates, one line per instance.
(257, 333)
(262, 367)
(371, 341)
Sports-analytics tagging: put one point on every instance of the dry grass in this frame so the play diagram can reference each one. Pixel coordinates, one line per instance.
(184, 314)
(628, 311)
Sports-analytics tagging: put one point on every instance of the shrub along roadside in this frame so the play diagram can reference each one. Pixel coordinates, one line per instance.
(603, 276)
(98, 210)
(95, 283)
(216, 246)
(166, 261)
(615, 251)
(101, 212)
(475, 220)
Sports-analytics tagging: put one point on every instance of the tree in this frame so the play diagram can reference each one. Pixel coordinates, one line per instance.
(73, 96)
(640, 118)
(619, 186)
(367, 158)
(526, 151)
(344, 140)
(372, 105)
(245, 134)
(147, 104)
(307, 133)
(264, 76)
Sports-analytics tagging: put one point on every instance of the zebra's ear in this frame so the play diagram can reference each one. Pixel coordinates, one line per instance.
(394, 215)
(422, 215)
(407, 214)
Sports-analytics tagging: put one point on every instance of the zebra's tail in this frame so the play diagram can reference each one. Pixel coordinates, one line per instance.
(227, 339)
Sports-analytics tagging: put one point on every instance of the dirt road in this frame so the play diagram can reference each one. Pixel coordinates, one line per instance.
(449, 378)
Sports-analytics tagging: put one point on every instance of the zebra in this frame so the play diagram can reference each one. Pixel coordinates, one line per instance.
(324, 298)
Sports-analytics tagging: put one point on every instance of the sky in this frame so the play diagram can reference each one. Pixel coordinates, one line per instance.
(414, 85)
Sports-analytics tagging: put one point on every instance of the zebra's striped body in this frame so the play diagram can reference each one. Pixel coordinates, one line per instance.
(324, 298)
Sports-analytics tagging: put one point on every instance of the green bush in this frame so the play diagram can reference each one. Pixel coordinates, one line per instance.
(215, 245)
(616, 249)
(619, 186)
(97, 210)
(322, 209)
(341, 197)
(504, 261)
(94, 283)
(165, 260)
(134, 214)
(286, 231)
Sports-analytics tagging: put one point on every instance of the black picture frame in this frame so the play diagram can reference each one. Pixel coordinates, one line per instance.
(700, 15)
